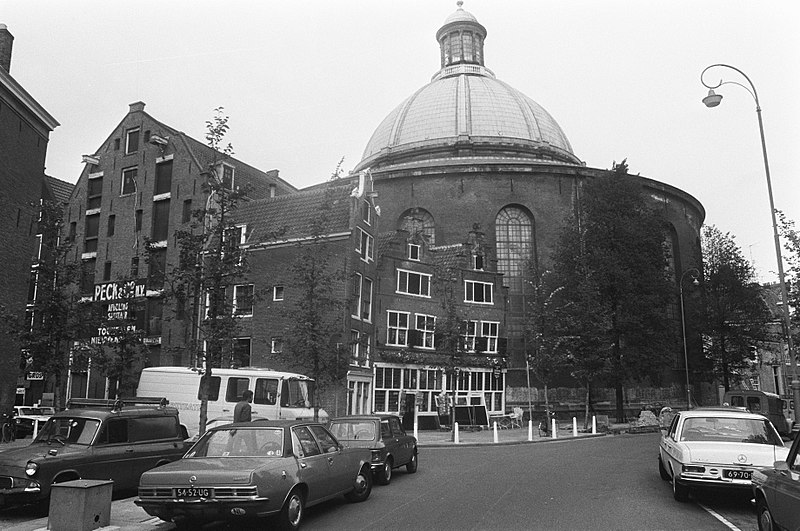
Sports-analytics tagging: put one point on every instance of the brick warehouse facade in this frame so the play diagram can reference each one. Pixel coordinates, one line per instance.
(141, 184)
(25, 128)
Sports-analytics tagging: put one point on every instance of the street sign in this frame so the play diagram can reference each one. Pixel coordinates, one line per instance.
(34, 375)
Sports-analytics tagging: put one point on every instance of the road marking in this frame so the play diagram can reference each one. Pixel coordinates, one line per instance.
(719, 517)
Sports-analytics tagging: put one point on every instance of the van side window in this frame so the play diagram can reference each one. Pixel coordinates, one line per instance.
(266, 391)
(152, 428)
(236, 386)
(213, 389)
(753, 403)
(115, 431)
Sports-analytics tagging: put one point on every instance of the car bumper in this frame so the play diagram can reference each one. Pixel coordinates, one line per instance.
(209, 509)
(20, 495)
(714, 482)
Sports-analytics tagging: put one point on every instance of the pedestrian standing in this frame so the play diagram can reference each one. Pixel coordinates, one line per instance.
(243, 412)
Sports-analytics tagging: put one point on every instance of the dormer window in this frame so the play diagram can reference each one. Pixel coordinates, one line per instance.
(477, 262)
(227, 176)
(413, 252)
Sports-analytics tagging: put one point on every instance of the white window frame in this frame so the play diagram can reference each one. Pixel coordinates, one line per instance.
(403, 276)
(365, 299)
(128, 133)
(414, 252)
(276, 345)
(236, 297)
(365, 246)
(427, 330)
(366, 212)
(122, 191)
(278, 293)
(396, 330)
(470, 333)
(487, 288)
(490, 330)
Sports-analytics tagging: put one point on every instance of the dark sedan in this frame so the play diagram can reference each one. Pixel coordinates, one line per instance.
(249, 470)
(386, 439)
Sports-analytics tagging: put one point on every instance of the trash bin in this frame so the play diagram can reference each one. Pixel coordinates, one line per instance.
(80, 505)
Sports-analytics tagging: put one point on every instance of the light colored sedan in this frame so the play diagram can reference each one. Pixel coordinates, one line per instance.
(249, 470)
(717, 448)
(777, 492)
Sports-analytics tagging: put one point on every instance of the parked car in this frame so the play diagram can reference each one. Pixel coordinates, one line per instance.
(717, 448)
(92, 439)
(26, 418)
(219, 421)
(777, 492)
(386, 439)
(248, 470)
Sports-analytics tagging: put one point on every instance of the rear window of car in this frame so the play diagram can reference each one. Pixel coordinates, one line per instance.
(729, 429)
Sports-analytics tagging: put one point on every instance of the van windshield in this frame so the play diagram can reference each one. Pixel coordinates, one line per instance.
(297, 393)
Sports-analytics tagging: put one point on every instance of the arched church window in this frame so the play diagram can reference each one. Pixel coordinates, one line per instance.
(514, 236)
(418, 221)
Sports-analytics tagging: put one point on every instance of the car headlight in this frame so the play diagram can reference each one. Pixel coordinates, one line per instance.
(31, 468)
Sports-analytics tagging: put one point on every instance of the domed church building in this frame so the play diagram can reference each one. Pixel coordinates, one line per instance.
(468, 154)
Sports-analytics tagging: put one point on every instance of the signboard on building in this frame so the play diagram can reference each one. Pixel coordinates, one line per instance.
(34, 375)
(118, 299)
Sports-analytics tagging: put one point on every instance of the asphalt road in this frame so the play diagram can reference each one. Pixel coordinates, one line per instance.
(602, 483)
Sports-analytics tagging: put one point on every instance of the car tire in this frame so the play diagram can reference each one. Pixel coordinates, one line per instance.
(292, 512)
(411, 466)
(765, 520)
(384, 476)
(362, 486)
(679, 491)
(662, 471)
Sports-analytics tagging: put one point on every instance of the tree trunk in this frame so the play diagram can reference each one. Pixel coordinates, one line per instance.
(620, 401)
(587, 408)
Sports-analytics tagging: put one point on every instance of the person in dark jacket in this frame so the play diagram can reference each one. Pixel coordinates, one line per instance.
(243, 412)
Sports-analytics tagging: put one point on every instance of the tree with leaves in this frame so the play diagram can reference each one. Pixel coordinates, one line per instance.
(210, 263)
(611, 261)
(736, 314)
(791, 256)
(314, 345)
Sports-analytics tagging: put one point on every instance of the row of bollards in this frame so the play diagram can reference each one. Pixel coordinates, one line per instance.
(553, 430)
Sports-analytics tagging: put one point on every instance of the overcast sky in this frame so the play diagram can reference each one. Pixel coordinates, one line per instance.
(306, 82)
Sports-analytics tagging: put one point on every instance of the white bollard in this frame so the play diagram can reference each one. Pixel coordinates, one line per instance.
(574, 427)
(495, 432)
(594, 425)
(455, 432)
(554, 431)
(416, 428)
(530, 430)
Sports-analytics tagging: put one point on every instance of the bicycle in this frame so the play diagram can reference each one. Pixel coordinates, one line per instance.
(8, 433)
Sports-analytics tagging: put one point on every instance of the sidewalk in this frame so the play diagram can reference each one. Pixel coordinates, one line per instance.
(486, 436)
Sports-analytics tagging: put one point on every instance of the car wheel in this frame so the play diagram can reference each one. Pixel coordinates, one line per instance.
(679, 491)
(385, 475)
(765, 521)
(291, 515)
(661, 470)
(362, 487)
(411, 467)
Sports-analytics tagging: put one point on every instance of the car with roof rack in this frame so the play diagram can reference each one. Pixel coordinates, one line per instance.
(93, 439)
(717, 448)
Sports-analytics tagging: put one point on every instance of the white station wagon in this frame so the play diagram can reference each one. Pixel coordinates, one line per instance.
(717, 448)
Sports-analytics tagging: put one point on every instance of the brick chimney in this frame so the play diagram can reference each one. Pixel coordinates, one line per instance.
(6, 41)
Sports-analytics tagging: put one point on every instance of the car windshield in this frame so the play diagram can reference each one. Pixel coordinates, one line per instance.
(353, 430)
(75, 430)
(725, 429)
(239, 442)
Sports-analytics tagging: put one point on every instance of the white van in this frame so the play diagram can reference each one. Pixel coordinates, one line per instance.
(276, 395)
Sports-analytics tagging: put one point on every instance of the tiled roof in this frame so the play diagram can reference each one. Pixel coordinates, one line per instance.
(450, 256)
(302, 214)
(61, 190)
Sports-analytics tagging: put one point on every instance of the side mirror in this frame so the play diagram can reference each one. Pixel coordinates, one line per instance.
(781, 466)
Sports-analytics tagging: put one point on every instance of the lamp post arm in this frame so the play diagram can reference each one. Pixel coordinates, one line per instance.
(752, 89)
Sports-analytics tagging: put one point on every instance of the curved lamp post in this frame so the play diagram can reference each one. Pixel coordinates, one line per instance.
(695, 282)
(712, 100)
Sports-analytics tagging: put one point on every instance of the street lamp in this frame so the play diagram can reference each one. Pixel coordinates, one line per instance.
(712, 100)
(695, 282)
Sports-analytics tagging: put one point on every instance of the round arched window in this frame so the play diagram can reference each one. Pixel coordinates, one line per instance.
(418, 221)
(514, 236)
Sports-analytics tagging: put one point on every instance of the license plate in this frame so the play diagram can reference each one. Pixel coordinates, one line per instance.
(737, 474)
(192, 493)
